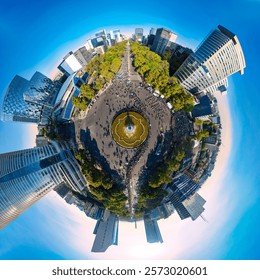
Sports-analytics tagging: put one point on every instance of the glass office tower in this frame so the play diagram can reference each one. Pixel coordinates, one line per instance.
(106, 233)
(28, 175)
(24, 99)
(219, 56)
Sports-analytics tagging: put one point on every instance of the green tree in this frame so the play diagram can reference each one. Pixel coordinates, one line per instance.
(115, 65)
(80, 102)
(156, 72)
(99, 83)
(202, 134)
(87, 91)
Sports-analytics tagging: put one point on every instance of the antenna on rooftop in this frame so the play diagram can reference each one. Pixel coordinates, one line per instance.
(204, 219)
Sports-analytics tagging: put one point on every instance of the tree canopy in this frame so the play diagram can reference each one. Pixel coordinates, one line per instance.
(156, 73)
(102, 69)
(164, 171)
(202, 134)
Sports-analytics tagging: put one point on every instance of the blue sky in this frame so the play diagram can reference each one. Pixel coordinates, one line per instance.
(35, 35)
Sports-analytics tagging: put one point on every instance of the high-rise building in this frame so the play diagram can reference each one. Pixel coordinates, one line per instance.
(152, 231)
(139, 32)
(162, 38)
(218, 56)
(194, 206)
(184, 186)
(202, 111)
(83, 56)
(115, 35)
(191, 207)
(24, 99)
(152, 31)
(89, 45)
(101, 33)
(178, 206)
(106, 233)
(28, 175)
(70, 64)
(150, 40)
(160, 212)
(101, 39)
(97, 42)
(63, 104)
(151, 36)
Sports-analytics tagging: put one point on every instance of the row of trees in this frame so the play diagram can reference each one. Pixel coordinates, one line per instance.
(112, 199)
(148, 199)
(201, 134)
(95, 176)
(164, 171)
(156, 73)
(101, 186)
(82, 101)
(102, 69)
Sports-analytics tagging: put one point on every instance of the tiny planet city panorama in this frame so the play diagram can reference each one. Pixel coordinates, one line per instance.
(128, 130)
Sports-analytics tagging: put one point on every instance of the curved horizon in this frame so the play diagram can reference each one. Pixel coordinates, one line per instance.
(51, 229)
(135, 246)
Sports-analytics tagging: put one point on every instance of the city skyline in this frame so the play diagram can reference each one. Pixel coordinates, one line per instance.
(43, 92)
(162, 24)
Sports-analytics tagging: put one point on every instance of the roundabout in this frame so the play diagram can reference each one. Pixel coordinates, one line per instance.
(129, 129)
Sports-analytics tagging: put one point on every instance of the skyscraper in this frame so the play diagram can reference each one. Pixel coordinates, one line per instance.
(219, 56)
(152, 231)
(83, 56)
(178, 206)
(106, 234)
(101, 33)
(151, 36)
(24, 99)
(194, 206)
(161, 40)
(191, 207)
(63, 103)
(184, 186)
(152, 31)
(70, 64)
(89, 45)
(115, 35)
(139, 32)
(28, 175)
(203, 110)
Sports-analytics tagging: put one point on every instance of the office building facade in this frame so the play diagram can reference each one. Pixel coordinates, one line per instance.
(106, 233)
(28, 175)
(114, 35)
(25, 100)
(70, 64)
(83, 56)
(194, 206)
(139, 32)
(219, 56)
(152, 231)
(88, 45)
(203, 111)
(63, 105)
(189, 208)
(184, 186)
(152, 31)
(101, 33)
(178, 206)
(162, 38)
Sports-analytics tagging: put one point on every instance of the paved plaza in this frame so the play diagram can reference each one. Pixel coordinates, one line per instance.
(125, 93)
